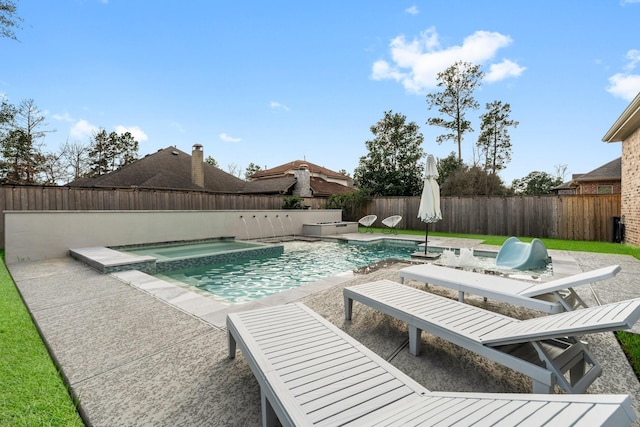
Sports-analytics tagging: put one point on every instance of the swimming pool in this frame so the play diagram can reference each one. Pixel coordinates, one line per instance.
(241, 281)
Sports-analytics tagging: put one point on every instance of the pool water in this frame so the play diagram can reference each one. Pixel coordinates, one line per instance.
(302, 262)
(170, 251)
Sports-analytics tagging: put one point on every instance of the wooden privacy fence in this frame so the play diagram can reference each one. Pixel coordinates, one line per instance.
(563, 217)
(573, 217)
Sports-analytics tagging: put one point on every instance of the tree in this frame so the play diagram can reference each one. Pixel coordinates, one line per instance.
(250, 170)
(75, 156)
(110, 152)
(560, 171)
(472, 181)
(494, 140)
(458, 83)
(20, 145)
(234, 169)
(392, 167)
(535, 184)
(448, 166)
(9, 20)
(210, 160)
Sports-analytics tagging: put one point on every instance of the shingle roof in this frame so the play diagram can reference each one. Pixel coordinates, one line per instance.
(284, 168)
(280, 185)
(324, 188)
(606, 172)
(169, 168)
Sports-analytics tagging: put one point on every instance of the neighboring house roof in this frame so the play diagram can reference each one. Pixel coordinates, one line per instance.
(280, 185)
(169, 168)
(611, 171)
(324, 182)
(626, 124)
(286, 168)
(563, 186)
(321, 188)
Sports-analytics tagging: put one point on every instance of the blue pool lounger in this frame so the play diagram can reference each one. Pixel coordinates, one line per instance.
(312, 373)
(554, 296)
(547, 349)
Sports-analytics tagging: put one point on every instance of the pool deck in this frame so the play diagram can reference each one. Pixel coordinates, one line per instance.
(139, 351)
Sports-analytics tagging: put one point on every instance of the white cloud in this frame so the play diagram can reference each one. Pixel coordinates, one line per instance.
(623, 2)
(416, 63)
(625, 86)
(413, 10)
(135, 131)
(275, 105)
(62, 117)
(227, 138)
(82, 130)
(634, 58)
(503, 70)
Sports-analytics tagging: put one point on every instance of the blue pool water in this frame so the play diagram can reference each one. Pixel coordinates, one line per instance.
(302, 262)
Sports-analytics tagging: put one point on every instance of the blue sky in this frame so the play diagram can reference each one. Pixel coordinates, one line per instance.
(271, 82)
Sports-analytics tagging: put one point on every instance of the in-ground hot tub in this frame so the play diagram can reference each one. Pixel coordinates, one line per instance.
(329, 228)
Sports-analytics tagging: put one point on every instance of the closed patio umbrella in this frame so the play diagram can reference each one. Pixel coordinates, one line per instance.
(429, 210)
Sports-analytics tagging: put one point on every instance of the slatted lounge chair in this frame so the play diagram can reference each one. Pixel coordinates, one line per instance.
(554, 296)
(391, 223)
(545, 348)
(312, 373)
(367, 222)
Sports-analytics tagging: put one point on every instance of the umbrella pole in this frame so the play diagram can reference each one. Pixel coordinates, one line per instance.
(426, 236)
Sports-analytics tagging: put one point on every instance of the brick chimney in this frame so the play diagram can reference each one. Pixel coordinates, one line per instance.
(197, 165)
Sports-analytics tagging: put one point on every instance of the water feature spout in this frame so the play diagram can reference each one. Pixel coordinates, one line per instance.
(246, 228)
(259, 225)
(293, 233)
(273, 230)
(281, 224)
(466, 258)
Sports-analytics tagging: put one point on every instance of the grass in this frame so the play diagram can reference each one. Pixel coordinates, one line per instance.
(32, 392)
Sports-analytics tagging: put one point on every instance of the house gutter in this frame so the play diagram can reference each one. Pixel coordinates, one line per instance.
(626, 124)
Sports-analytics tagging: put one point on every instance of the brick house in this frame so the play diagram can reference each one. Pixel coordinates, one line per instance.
(605, 179)
(626, 129)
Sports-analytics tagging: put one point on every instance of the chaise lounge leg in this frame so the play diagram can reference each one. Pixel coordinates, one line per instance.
(414, 340)
(348, 308)
(232, 345)
(269, 418)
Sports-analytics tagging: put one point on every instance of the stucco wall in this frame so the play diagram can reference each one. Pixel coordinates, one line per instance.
(631, 187)
(33, 235)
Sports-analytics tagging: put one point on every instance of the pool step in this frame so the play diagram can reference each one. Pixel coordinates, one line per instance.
(108, 260)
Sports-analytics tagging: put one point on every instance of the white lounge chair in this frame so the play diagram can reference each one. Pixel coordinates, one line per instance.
(367, 222)
(312, 373)
(391, 223)
(554, 296)
(545, 348)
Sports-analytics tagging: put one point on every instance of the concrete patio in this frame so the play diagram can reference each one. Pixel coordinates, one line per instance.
(138, 351)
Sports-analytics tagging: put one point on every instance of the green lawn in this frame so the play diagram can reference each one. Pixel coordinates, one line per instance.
(32, 392)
